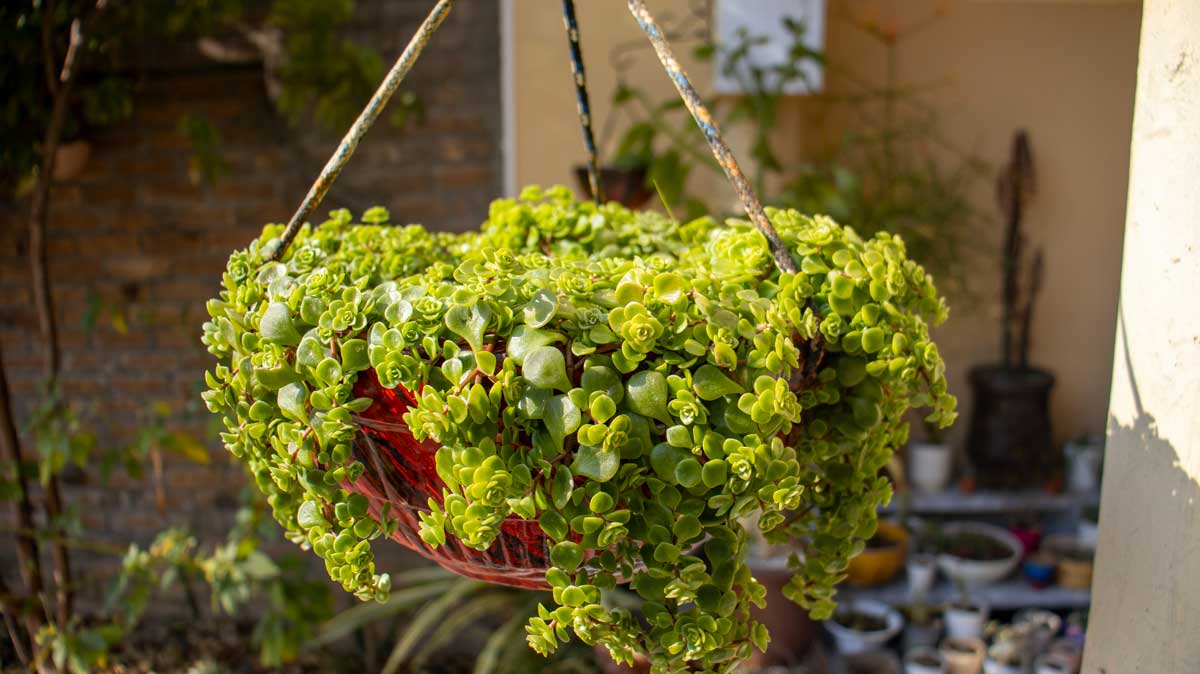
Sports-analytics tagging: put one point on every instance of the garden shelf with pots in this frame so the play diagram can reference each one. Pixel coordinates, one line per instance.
(955, 502)
(1010, 594)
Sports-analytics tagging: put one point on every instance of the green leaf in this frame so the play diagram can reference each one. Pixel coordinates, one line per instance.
(562, 418)
(292, 400)
(595, 463)
(525, 339)
(647, 395)
(540, 309)
(469, 323)
(710, 383)
(354, 355)
(276, 325)
(545, 367)
(566, 556)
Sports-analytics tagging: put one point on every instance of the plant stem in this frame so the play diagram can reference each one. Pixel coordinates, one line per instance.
(708, 125)
(366, 118)
(22, 510)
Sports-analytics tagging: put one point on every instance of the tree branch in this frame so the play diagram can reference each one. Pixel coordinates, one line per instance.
(43, 299)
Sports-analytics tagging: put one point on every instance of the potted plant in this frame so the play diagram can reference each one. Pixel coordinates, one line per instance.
(863, 625)
(1009, 438)
(965, 617)
(1009, 651)
(882, 556)
(963, 655)
(923, 625)
(924, 660)
(974, 553)
(930, 461)
(578, 396)
(922, 572)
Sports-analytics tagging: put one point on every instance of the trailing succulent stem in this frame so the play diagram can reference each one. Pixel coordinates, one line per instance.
(638, 386)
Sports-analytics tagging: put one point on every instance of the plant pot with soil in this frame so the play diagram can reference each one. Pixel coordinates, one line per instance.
(625, 182)
(578, 396)
(963, 656)
(975, 554)
(923, 660)
(863, 625)
(965, 618)
(1009, 439)
(881, 558)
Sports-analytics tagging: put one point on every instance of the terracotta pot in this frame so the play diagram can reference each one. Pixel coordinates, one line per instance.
(792, 631)
(71, 158)
(963, 656)
(875, 566)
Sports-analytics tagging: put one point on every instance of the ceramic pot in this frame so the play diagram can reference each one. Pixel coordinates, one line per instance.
(922, 572)
(924, 660)
(878, 565)
(71, 158)
(963, 656)
(979, 572)
(850, 640)
(929, 466)
(1009, 439)
(1039, 570)
(1084, 459)
(966, 622)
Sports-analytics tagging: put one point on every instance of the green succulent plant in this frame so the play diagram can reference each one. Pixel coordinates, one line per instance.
(638, 386)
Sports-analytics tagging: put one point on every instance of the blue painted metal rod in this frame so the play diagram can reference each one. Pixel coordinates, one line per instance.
(581, 97)
(361, 125)
(708, 125)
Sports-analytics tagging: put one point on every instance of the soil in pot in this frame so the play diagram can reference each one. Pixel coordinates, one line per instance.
(1009, 440)
(860, 621)
(976, 547)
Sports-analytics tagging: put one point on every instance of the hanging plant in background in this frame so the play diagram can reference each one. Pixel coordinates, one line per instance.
(627, 388)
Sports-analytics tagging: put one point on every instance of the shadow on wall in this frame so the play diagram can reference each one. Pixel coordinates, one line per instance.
(1147, 550)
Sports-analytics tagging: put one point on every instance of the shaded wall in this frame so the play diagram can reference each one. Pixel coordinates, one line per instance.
(1064, 71)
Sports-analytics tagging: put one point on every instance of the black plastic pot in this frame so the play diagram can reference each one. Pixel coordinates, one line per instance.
(1009, 441)
(625, 185)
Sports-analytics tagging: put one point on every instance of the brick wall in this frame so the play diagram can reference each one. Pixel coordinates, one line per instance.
(133, 233)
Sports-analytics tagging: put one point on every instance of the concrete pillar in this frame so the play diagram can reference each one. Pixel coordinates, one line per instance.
(1146, 592)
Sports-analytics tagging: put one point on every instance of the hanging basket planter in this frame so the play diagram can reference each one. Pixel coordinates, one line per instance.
(578, 396)
(402, 477)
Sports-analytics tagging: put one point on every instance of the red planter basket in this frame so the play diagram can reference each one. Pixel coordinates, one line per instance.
(400, 470)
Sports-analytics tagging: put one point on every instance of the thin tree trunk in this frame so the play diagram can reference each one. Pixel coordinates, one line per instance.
(42, 296)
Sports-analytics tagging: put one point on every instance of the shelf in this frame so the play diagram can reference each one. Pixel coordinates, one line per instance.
(1011, 594)
(984, 502)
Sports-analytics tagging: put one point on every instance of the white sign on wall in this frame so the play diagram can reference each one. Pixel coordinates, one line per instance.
(765, 18)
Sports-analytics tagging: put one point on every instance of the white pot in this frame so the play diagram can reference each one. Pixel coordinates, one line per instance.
(1083, 465)
(851, 641)
(972, 572)
(929, 466)
(912, 665)
(965, 623)
(1089, 533)
(922, 572)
